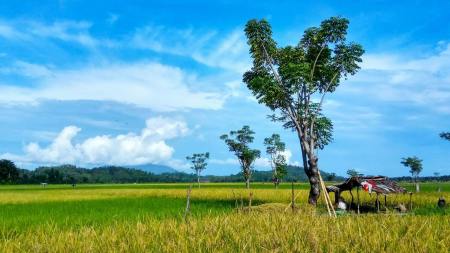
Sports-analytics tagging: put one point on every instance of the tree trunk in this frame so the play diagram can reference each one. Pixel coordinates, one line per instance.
(311, 170)
(198, 180)
(314, 181)
(417, 185)
(247, 183)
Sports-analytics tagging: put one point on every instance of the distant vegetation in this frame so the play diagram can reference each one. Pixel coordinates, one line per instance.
(69, 174)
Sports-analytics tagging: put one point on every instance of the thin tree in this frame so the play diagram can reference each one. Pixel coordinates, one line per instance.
(436, 175)
(275, 148)
(198, 163)
(238, 142)
(293, 81)
(415, 167)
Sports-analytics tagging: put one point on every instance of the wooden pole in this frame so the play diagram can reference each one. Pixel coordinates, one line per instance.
(242, 203)
(377, 202)
(410, 201)
(250, 201)
(385, 202)
(327, 197)
(357, 193)
(292, 197)
(235, 200)
(188, 202)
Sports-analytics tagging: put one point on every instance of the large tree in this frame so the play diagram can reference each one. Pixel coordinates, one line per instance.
(415, 167)
(9, 173)
(293, 81)
(238, 142)
(198, 163)
(275, 148)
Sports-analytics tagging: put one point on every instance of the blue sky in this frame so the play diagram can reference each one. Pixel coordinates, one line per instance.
(103, 82)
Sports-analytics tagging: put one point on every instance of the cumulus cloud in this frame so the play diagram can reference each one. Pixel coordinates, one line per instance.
(148, 146)
(145, 84)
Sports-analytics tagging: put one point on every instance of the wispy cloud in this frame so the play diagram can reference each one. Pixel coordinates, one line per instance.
(228, 52)
(67, 31)
(421, 81)
(146, 84)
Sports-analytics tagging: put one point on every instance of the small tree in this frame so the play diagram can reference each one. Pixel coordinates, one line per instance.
(353, 173)
(238, 142)
(275, 148)
(9, 173)
(436, 174)
(415, 167)
(198, 163)
(293, 81)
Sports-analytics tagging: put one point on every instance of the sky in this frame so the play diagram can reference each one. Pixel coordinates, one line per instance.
(95, 83)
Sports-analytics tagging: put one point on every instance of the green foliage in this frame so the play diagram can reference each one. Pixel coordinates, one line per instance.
(353, 173)
(445, 135)
(238, 142)
(198, 161)
(9, 173)
(275, 148)
(414, 164)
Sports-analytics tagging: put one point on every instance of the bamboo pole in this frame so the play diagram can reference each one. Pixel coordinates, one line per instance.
(327, 197)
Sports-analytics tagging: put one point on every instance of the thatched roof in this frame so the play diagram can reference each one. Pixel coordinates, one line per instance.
(378, 184)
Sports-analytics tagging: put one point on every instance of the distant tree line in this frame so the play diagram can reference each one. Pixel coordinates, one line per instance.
(70, 174)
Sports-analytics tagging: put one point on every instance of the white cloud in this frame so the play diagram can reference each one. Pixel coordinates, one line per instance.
(149, 146)
(423, 81)
(146, 84)
(26, 69)
(68, 31)
(228, 52)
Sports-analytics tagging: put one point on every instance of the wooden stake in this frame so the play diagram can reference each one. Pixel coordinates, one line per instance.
(292, 197)
(377, 202)
(385, 202)
(410, 201)
(188, 202)
(242, 203)
(357, 193)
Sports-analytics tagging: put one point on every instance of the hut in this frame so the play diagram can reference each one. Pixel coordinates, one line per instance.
(377, 184)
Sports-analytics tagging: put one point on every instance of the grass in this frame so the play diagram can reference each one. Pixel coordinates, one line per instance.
(148, 218)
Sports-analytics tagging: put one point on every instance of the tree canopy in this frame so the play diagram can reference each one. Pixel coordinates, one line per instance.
(8, 171)
(445, 135)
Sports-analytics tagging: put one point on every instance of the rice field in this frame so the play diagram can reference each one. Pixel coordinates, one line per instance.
(149, 218)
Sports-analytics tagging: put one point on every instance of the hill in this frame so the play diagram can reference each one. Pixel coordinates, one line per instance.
(113, 174)
(153, 168)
